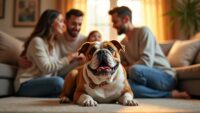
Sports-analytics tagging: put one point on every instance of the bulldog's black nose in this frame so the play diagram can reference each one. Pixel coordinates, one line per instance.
(102, 57)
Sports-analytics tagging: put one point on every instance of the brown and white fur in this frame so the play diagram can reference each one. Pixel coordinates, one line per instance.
(102, 79)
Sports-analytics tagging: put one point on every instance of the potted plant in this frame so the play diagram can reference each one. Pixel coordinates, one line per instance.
(186, 15)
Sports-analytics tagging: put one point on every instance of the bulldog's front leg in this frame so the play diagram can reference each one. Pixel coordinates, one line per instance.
(86, 100)
(127, 99)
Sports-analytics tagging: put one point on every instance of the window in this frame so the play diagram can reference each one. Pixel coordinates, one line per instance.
(97, 17)
(135, 6)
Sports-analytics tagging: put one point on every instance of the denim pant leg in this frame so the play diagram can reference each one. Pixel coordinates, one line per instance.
(150, 82)
(42, 87)
(141, 91)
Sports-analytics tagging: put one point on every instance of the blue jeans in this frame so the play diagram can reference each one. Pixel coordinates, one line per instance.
(147, 82)
(42, 87)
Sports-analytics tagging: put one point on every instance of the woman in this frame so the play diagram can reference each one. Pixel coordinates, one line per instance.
(41, 48)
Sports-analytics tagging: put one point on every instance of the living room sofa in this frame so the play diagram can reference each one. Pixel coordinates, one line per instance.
(188, 69)
(184, 57)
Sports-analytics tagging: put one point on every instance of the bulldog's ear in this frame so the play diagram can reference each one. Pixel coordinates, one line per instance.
(84, 47)
(118, 45)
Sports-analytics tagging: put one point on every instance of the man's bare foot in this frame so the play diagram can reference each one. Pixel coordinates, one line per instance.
(178, 94)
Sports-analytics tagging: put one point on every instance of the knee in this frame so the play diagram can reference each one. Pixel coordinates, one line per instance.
(136, 68)
(137, 74)
(135, 71)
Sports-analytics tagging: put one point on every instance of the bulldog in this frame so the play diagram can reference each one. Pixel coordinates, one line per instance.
(102, 79)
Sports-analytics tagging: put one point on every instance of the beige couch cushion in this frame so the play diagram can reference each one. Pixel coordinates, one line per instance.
(197, 59)
(183, 53)
(10, 49)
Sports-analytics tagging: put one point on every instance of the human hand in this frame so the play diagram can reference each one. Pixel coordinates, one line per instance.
(72, 56)
(24, 62)
(76, 57)
(80, 59)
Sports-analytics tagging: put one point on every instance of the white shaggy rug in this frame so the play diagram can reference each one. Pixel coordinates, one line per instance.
(48, 105)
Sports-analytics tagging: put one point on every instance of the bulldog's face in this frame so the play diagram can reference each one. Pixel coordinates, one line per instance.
(102, 59)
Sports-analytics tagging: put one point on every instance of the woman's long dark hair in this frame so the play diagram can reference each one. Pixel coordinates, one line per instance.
(43, 27)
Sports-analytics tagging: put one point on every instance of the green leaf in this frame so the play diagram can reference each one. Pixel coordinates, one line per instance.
(187, 14)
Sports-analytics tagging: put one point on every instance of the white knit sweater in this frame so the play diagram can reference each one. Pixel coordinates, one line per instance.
(44, 64)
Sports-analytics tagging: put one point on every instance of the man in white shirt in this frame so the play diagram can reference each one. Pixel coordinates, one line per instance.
(72, 40)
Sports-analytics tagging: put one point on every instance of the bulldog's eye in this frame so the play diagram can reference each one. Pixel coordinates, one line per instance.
(110, 49)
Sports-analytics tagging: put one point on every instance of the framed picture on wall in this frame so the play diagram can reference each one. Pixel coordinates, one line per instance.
(26, 13)
(2, 8)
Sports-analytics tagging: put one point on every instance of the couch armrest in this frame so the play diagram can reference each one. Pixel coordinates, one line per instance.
(7, 71)
(188, 72)
(7, 75)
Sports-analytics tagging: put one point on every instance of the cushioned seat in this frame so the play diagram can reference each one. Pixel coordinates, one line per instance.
(189, 79)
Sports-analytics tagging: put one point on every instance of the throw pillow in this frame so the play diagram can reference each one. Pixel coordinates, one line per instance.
(10, 49)
(183, 53)
(197, 59)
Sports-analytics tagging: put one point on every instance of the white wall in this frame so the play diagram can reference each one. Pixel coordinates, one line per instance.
(6, 23)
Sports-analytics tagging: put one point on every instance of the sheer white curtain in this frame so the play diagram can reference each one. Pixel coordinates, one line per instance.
(150, 13)
(98, 18)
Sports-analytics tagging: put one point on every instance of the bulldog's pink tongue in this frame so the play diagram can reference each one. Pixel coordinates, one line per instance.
(106, 68)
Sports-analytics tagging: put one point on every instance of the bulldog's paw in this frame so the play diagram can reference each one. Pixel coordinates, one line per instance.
(127, 100)
(130, 102)
(90, 102)
(64, 99)
(86, 100)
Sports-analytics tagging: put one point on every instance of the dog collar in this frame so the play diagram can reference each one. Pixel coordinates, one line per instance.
(93, 85)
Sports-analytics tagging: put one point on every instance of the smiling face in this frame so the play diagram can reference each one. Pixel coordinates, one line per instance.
(102, 59)
(74, 25)
(58, 25)
(118, 24)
